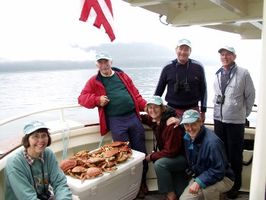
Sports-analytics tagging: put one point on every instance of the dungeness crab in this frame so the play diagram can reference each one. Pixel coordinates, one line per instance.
(89, 164)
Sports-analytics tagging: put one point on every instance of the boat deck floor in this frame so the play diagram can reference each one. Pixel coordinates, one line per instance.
(157, 196)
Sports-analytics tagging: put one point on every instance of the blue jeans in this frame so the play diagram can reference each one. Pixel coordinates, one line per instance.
(129, 128)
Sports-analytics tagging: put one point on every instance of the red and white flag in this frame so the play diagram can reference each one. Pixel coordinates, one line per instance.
(104, 15)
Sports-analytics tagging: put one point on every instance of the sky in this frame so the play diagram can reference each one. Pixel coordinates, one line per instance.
(51, 30)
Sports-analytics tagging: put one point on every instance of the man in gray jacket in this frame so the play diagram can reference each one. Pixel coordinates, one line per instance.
(234, 98)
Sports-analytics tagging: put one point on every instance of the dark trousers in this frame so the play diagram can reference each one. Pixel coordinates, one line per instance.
(233, 137)
(171, 174)
(180, 111)
(129, 128)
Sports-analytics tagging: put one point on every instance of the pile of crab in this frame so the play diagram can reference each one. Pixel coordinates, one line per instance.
(89, 164)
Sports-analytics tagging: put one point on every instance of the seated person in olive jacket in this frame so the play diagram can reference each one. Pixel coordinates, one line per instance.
(167, 155)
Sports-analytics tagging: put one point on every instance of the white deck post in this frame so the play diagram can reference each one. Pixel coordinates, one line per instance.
(258, 175)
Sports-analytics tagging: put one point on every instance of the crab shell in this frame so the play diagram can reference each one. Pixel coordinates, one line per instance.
(122, 157)
(96, 151)
(78, 169)
(94, 160)
(108, 164)
(92, 172)
(66, 165)
(110, 153)
(125, 149)
(110, 169)
(82, 154)
(117, 144)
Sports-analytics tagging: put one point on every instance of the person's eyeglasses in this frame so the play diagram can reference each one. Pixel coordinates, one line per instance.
(37, 136)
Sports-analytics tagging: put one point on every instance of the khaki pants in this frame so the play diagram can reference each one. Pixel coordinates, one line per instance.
(75, 197)
(211, 192)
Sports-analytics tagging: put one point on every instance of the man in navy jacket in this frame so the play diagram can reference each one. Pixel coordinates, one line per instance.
(185, 81)
(209, 169)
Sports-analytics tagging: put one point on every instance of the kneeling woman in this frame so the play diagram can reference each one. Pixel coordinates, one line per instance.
(33, 172)
(168, 154)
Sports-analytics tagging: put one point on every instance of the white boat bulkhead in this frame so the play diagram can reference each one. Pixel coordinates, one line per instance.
(70, 136)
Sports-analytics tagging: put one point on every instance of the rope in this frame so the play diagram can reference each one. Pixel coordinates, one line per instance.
(101, 141)
(65, 139)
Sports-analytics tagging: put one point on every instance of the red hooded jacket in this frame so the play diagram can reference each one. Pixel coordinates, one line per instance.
(94, 88)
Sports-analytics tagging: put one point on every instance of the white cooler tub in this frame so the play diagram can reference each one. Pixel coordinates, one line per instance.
(123, 183)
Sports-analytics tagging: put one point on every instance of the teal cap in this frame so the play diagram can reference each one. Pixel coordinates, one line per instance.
(157, 100)
(104, 56)
(33, 126)
(190, 116)
(227, 48)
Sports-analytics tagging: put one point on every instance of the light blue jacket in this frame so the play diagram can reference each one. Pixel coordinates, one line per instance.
(19, 181)
(239, 97)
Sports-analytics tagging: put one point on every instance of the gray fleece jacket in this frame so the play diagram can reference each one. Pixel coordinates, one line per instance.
(239, 96)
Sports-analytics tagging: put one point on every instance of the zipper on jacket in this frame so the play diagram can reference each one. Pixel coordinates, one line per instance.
(221, 112)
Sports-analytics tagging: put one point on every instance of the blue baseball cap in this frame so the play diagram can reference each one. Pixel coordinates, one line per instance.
(33, 126)
(190, 116)
(157, 100)
(227, 48)
(183, 42)
(104, 56)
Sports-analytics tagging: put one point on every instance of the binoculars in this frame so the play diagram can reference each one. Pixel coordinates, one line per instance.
(181, 86)
(220, 99)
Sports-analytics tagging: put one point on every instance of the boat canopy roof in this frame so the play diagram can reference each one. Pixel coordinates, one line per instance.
(243, 17)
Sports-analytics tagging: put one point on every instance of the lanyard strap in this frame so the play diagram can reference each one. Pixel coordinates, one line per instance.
(34, 183)
(227, 83)
(177, 75)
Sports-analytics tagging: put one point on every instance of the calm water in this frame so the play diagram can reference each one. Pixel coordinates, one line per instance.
(27, 91)
(22, 92)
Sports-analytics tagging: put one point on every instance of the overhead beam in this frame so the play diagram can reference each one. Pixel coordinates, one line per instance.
(236, 6)
(143, 3)
(197, 18)
(217, 14)
(244, 29)
(257, 24)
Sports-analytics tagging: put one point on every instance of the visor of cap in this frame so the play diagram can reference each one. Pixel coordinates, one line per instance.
(227, 48)
(157, 100)
(190, 116)
(33, 126)
(184, 42)
(103, 56)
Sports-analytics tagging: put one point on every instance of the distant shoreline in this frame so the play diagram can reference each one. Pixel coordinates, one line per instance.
(28, 66)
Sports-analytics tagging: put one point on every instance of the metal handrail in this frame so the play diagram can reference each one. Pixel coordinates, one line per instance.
(61, 108)
(6, 121)
(15, 118)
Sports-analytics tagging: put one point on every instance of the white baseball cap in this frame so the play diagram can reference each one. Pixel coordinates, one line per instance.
(33, 126)
(157, 100)
(104, 56)
(183, 42)
(227, 48)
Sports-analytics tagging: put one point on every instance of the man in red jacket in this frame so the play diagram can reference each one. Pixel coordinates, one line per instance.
(119, 103)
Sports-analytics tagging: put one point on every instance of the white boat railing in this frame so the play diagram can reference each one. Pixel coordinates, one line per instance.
(84, 134)
(13, 125)
(56, 125)
(60, 108)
